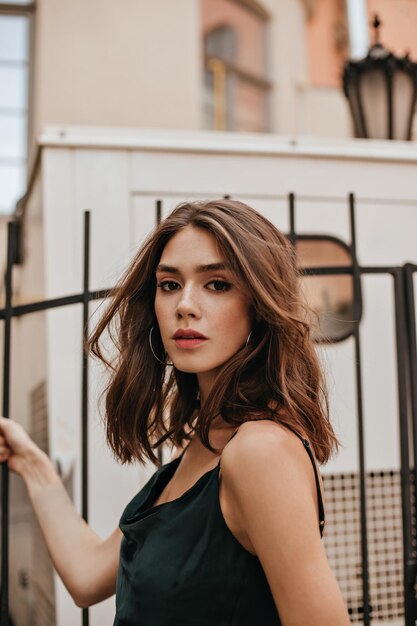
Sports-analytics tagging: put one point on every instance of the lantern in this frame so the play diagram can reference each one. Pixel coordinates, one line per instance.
(381, 90)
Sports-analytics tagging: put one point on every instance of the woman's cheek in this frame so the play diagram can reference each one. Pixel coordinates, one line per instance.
(238, 325)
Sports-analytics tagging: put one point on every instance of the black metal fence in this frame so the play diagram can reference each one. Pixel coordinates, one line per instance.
(406, 356)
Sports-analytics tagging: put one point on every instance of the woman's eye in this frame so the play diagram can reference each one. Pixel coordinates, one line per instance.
(163, 283)
(224, 286)
(170, 285)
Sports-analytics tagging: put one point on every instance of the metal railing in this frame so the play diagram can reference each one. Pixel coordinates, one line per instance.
(406, 362)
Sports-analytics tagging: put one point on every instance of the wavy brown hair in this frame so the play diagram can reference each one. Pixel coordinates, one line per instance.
(277, 375)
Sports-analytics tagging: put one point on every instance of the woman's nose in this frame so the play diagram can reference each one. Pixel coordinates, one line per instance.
(188, 303)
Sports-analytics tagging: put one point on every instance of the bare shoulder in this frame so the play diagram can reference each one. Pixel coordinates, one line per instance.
(270, 486)
(266, 462)
(261, 442)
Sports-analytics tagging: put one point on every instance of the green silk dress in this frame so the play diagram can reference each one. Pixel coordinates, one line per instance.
(180, 565)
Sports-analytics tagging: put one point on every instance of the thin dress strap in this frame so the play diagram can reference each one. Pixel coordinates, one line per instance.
(308, 448)
(321, 507)
(218, 464)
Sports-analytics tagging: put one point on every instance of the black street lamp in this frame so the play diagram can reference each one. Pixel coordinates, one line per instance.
(382, 92)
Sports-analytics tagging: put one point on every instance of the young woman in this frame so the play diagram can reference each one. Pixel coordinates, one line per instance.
(213, 350)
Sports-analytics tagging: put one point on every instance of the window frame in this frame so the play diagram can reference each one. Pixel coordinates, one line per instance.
(221, 69)
(23, 10)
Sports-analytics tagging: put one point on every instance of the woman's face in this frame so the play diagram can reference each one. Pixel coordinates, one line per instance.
(206, 300)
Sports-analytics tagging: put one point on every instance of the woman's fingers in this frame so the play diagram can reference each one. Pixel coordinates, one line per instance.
(5, 431)
(4, 448)
(15, 437)
(3, 440)
(5, 453)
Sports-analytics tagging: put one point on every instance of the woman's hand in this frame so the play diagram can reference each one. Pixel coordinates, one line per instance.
(16, 447)
(86, 563)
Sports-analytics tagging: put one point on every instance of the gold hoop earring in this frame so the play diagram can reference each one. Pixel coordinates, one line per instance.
(152, 350)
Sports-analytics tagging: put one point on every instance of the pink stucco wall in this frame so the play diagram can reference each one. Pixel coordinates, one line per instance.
(325, 33)
(399, 24)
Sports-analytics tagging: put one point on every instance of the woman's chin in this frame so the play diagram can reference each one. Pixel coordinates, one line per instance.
(193, 368)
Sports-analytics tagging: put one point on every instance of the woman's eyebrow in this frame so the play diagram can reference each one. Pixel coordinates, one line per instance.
(199, 269)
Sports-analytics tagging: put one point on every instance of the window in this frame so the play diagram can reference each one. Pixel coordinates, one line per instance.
(236, 89)
(14, 63)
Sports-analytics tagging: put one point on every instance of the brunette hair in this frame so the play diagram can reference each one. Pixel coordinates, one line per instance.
(277, 375)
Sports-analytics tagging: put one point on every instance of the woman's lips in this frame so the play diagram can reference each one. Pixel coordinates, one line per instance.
(182, 342)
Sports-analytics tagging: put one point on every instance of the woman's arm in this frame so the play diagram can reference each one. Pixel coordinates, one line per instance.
(86, 563)
(269, 480)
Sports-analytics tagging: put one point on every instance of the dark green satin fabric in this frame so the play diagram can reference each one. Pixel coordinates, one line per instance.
(181, 566)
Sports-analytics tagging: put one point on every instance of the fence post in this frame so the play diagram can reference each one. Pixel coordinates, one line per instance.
(4, 592)
(357, 309)
(84, 384)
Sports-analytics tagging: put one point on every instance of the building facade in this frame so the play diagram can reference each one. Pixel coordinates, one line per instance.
(123, 104)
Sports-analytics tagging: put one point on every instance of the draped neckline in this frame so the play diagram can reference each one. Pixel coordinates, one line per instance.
(161, 479)
(169, 475)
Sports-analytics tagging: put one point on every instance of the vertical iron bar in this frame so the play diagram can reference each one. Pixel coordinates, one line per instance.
(158, 218)
(357, 304)
(412, 341)
(158, 212)
(292, 236)
(291, 208)
(406, 369)
(4, 591)
(84, 416)
(409, 270)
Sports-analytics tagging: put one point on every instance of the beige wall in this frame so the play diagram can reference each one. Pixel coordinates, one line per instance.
(288, 66)
(136, 63)
(124, 63)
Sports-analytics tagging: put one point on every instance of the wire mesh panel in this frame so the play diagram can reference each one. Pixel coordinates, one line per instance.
(385, 540)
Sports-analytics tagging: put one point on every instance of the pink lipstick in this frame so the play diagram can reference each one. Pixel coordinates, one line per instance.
(188, 338)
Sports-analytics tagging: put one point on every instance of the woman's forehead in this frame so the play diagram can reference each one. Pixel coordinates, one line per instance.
(193, 247)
